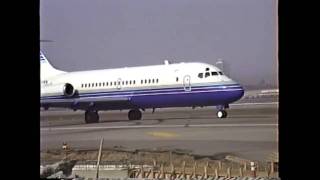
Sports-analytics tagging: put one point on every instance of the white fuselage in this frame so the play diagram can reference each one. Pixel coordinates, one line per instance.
(168, 85)
(143, 77)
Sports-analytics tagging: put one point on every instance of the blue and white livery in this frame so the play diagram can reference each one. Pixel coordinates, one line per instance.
(137, 88)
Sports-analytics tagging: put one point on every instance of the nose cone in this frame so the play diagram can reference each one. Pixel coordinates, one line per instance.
(237, 93)
(232, 94)
(241, 92)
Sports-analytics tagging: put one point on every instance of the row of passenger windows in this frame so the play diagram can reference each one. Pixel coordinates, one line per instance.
(207, 74)
(149, 81)
(107, 84)
(115, 83)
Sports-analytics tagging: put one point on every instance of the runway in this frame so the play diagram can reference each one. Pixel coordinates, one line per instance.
(250, 130)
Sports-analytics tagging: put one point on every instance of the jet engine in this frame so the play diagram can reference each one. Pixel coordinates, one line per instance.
(65, 89)
(68, 90)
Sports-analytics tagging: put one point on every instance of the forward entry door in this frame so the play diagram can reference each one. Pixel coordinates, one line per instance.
(119, 83)
(187, 83)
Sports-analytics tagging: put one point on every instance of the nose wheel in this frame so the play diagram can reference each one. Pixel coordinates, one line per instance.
(134, 114)
(222, 114)
(91, 117)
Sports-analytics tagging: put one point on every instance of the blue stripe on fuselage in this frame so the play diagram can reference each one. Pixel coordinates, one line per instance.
(151, 91)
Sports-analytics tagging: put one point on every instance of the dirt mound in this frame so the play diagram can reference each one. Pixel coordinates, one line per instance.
(141, 156)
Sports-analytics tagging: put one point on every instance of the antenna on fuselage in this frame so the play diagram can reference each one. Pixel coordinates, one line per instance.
(167, 62)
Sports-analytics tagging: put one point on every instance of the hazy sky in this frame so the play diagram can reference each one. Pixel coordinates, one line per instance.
(99, 34)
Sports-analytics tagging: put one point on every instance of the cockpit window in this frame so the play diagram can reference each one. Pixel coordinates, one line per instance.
(214, 73)
(220, 73)
(207, 74)
(200, 75)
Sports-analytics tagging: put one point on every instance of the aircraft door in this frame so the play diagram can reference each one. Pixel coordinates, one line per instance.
(119, 83)
(187, 83)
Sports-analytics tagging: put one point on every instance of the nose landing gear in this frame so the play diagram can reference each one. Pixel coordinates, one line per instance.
(222, 113)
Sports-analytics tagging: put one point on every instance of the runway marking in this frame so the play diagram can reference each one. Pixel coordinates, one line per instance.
(158, 126)
(162, 134)
(264, 103)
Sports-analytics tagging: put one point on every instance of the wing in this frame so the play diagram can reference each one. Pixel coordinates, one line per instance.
(98, 103)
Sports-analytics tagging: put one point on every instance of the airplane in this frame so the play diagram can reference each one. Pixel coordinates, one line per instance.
(185, 84)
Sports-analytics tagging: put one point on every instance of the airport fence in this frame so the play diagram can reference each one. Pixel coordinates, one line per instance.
(184, 170)
(210, 178)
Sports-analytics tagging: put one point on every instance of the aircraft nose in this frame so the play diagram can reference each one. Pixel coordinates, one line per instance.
(241, 91)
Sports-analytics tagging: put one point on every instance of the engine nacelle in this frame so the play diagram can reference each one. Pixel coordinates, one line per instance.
(68, 90)
(65, 89)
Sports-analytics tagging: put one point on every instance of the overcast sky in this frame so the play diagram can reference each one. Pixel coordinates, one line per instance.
(99, 34)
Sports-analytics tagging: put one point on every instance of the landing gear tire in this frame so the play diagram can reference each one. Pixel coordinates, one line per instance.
(134, 114)
(222, 114)
(91, 117)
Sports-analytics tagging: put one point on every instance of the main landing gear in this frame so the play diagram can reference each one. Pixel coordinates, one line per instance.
(91, 117)
(134, 114)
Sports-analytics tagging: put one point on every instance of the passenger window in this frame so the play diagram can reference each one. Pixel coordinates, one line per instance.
(149, 81)
(96, 84)
(110, 83)
(92, 85)
(88, 84)
(177, 79)
(200, 75)
(152, 80)
(126, 82)
(134, 81)
(114, 83)
(130, 82)
(103, 84)
(81, 85)
(141, 81)
(207, 74)
(157, 80)
(99, 84)
(214, 73)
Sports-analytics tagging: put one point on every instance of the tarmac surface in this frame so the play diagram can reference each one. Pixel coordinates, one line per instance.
(250, 130)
